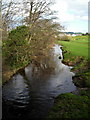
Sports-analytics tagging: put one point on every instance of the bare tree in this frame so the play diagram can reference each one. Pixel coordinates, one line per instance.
(35, 11)
(10, 16)
(42, 29)
(37, 16)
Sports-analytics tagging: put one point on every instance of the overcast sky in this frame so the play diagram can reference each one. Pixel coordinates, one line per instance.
(73, 14)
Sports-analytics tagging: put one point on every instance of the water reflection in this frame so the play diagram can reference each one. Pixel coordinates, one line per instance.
(33, 92)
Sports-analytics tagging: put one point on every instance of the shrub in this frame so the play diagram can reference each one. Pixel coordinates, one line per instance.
(16, 50)
(65, 38)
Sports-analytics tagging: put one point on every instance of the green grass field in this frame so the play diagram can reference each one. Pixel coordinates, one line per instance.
(68, 105)
(77, 46)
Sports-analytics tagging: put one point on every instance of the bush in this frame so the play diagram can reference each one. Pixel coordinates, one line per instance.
(16, 50)
(65, 38)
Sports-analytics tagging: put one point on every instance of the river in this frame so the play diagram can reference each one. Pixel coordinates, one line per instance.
(31, 93)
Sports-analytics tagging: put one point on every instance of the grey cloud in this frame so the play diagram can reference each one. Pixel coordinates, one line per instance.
(78, 8)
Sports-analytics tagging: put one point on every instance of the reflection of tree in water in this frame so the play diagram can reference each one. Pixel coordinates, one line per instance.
(44, 63)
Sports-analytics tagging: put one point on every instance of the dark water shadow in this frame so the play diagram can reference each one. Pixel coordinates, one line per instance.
(31, 92)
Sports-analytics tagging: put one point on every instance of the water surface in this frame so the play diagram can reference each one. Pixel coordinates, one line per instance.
(31, 93)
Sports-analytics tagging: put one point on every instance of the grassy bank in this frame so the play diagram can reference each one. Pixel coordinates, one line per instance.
(76, 48)
(76, 54)
(72, 105)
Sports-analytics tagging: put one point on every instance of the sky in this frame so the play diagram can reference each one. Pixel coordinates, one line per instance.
(72, 14)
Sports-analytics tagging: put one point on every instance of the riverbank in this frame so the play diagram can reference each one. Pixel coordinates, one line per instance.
(76, 104)
(7, 73)
(76, 54)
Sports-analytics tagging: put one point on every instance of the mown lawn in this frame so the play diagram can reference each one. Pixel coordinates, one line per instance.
(78, 46)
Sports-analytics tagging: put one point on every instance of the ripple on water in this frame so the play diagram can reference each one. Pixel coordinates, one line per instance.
(32, 94)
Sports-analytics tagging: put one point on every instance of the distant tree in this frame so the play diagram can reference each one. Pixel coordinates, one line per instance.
(8, 16)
